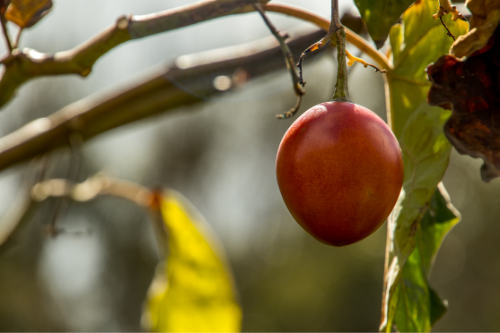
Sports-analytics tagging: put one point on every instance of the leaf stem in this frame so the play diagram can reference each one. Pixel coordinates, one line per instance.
(352, 59)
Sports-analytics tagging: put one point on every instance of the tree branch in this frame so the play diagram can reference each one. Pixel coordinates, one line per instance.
(23, 209)
(324, 24)
(22, 66)
(174, 87)
(335, 24)
(90, 189)
(16, 220)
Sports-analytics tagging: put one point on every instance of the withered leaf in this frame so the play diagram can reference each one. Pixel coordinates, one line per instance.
(485, 19)
(471, 89)
(3, 5)
(26, 13)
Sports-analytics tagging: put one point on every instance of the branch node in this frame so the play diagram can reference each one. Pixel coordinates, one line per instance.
(122, 23)
(284, 35)
(86, 71)
(77, 124)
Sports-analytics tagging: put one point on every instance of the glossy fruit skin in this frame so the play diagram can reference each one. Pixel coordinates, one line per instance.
(340, 171)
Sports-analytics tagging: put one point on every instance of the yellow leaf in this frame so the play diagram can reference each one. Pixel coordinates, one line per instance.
(193, 291)
(25, 13)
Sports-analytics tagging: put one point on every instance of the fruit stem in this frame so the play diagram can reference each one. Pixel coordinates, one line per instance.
(341, 89)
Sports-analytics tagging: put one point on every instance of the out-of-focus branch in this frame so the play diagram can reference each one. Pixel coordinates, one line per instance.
(21, 66)
(21, 212)
(99, 185)
(91, 189)
(15, 221)
(192, 81)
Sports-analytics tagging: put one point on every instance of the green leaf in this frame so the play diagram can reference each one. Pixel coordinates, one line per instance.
(193, 291)
(380, 16)
(416, 43)
(419, 306)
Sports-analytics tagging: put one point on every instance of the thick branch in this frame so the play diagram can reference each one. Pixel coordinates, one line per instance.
(22, 66)
(174, 87)
(28, 64)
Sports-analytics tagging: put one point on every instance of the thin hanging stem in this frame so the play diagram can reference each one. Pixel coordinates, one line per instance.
(448, 32)
(15, 44)
(3, 23)
(341, 90)
(63, 203)
(296, 80)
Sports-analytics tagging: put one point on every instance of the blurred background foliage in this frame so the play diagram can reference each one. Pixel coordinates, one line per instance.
(221, 156)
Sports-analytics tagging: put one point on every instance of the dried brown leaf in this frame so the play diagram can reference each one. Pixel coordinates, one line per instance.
(3, 5)
(471, 88)
(445, 7)
(26, 13)
(484, 21)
